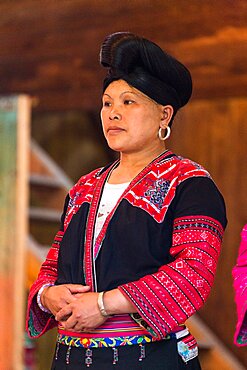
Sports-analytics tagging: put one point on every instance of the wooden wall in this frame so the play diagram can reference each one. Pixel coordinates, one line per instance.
(214, 133)
(50, 49)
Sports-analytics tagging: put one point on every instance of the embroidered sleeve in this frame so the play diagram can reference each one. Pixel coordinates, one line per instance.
(177, 290)
(240, 286)
(38, 321)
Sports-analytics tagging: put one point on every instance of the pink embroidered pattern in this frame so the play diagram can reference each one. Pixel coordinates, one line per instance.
(170, 296)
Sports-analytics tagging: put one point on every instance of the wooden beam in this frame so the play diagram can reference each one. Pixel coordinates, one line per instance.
(14, 139)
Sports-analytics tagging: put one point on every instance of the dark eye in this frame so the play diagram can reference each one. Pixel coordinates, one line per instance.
(106, 104)
(128, 101)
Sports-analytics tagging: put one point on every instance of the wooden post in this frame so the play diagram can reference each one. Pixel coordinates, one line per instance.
(14, 154)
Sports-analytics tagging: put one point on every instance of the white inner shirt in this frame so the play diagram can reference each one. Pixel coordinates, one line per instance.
(109, 198)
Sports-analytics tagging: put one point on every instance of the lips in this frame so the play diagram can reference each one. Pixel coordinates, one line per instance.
(114, 130)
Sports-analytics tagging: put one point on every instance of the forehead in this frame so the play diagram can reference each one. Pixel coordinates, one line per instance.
(119, 87)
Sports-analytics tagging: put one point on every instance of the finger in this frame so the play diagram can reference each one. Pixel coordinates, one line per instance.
(64, 318)
(72, 323)
(69, 296)
(76, 288)
(83, 296)
(62, 314)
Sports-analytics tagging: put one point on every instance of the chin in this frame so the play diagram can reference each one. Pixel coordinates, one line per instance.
(117, 147)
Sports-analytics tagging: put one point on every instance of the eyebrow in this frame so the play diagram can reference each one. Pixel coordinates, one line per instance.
(124, 92)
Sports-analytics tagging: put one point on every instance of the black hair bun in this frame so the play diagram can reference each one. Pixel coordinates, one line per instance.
(144, 65)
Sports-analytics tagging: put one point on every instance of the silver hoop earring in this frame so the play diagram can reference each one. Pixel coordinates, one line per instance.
(168, 133)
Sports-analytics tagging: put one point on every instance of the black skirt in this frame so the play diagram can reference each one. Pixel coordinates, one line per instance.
(162, 355)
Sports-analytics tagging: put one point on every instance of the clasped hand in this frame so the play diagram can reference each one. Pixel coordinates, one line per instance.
(74, 307)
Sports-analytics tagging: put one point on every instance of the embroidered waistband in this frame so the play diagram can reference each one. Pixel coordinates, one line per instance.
(89, 344)
(104, 342)
(113, 341)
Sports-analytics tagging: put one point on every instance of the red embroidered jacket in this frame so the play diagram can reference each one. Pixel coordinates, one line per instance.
(159, 245)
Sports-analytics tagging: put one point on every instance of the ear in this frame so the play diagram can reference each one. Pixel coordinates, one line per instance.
(167, 113)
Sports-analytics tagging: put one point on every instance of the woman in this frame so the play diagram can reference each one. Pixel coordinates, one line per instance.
(140, 238)
(239, 273)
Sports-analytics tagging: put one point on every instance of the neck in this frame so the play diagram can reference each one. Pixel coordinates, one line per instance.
(140, 160)
(133, 163)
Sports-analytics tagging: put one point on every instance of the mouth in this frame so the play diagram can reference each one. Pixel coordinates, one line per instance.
(114, 130)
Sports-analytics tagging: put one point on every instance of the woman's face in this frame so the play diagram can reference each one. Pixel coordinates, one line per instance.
(130, 119)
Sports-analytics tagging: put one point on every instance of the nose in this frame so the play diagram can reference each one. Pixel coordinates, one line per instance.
(115, 115)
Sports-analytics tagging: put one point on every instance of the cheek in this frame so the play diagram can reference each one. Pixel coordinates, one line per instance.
(150, 122)
(103, 118)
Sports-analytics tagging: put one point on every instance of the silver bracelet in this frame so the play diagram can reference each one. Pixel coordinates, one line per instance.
(44, 309)
(101, 304)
